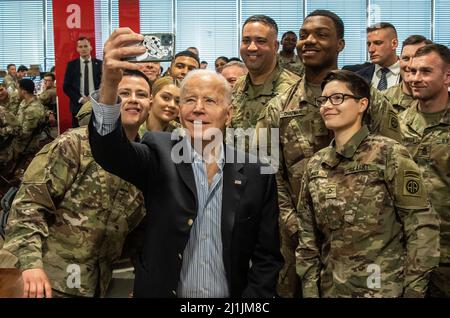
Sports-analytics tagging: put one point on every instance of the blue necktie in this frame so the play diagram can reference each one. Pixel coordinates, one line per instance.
(382, 84)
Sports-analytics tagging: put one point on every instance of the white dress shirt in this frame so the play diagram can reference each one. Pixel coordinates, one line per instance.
(393, 76)
(91, 76)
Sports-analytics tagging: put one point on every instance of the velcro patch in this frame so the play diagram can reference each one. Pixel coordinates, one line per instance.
(330, 191)
(412, 185)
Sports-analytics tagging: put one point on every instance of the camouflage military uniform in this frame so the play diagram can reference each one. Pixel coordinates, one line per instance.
(302, 133)
(11, 103)
(398, 99)
(428, 141)
(30, 115)
(170, 127)
(11, 83)
(294, 64)
(48, 98)
(71, 211)
(84, 114)
(249, 100)
(366, 228)
(9, 127)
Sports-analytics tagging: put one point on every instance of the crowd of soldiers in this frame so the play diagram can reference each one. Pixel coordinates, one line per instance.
(383, 198)
(25, 121)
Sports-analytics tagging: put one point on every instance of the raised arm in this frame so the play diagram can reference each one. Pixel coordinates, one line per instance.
(109, 144)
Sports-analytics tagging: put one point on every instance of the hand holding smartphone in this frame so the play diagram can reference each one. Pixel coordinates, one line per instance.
(160, 47)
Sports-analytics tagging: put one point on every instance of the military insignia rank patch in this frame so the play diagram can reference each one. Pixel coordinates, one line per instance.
(393, 120)
(330, 191)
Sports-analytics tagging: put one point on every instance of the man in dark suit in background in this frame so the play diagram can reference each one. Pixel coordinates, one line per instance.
(384, 70)
(212, 230)
(82, 77)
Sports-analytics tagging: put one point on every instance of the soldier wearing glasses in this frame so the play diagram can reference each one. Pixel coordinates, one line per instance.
(366, 228)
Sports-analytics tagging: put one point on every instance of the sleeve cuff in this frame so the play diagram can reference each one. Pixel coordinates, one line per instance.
(105, 116)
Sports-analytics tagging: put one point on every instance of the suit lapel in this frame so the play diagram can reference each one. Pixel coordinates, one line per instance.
(234, 183)
(187, 174)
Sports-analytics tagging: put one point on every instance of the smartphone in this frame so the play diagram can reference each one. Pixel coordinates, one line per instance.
(160, 48)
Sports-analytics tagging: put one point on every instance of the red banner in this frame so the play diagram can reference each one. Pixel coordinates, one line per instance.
(71, 19)
(129, 15)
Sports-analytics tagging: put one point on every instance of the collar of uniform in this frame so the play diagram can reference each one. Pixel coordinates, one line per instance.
(349, 149)
(26, 104)
(394, 68)
(413, 111)
(305, 94)
(267, 88)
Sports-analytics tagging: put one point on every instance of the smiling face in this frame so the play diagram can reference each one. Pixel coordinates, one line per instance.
(12, 70)
(347, 115)
(406, 56)
(151, 69)
(429, 76)
(289, 42)
(204, 103)
(319, 45)
(181, 66)
(165, 105)
(135, 94)
(259, 47)
(232, 73)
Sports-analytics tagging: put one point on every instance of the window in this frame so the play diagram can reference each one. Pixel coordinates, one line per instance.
(26, 26)
(103, 29)
(442, 22)
(288, 14)
(156, 16)
(211, 26)
(49, 55)
(408, 16)
(353, 13)
(22, 38)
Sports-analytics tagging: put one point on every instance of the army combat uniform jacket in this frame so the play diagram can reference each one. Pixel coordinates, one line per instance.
(293, 64)
(30, 116)
(70, 217)
(11, 83)
(399, 100)
(249, 100)
(366, 228)
(9, 127)
(11, 103)
(428, 141)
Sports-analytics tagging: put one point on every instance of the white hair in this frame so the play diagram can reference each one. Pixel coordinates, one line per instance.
(207, 74)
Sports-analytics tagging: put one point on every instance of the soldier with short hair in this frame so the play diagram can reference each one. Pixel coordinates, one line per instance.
(302, 131)
(400, 95)
(70, 217)
(287, 57)
(10, 81)
(266, 78)
(426, 134)
(366, 227)
(31, 115)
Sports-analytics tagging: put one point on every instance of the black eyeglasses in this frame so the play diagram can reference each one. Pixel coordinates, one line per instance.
(335, 99)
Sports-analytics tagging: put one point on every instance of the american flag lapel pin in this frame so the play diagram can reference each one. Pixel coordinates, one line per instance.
(238, 182)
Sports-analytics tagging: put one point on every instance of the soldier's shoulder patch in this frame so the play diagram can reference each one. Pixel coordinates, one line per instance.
(412, 185)
(393, 120)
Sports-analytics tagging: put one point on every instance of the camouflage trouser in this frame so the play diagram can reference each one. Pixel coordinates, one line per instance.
(439, 286)
(288, 281)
